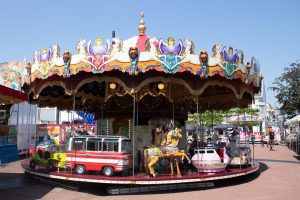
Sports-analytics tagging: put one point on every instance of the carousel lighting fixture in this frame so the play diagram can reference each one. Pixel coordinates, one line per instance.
(112, 86)
(161, 86)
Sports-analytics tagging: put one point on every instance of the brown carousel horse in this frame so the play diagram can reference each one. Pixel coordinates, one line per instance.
(168, 149)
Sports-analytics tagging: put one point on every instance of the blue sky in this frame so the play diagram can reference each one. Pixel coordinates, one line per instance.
(267, 30)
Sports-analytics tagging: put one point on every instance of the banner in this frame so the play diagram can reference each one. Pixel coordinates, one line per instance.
(79, 129)
(273, 124)
(50, 132)
(8, 153)
(59, 134)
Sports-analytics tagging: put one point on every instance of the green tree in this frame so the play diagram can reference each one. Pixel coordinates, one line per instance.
(211, 118)
(287, 88)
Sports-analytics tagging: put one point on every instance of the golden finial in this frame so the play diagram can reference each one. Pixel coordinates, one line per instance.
(142, 27)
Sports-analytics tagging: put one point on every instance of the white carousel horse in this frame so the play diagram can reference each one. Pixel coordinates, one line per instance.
(81, 55)
(240, 57)
(56, 59)
(56, 51)
(117, 53)
(36, 64)
(80, 47)
(216, 58)
(240, 62)
(150, 46)
(151, 51)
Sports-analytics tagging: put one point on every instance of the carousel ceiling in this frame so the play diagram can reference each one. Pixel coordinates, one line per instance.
(107, 75)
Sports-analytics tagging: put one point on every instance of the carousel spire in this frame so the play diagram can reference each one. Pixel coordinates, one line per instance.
(142, 27)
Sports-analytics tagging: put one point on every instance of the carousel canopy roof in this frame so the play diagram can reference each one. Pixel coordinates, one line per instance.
(158, 72)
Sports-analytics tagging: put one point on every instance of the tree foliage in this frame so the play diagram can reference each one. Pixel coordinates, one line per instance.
(287, 88)
(211, 118)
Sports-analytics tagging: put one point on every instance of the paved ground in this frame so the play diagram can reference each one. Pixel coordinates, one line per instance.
(279, 178)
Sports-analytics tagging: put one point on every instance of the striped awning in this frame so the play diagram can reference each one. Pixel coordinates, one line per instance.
(11, 96)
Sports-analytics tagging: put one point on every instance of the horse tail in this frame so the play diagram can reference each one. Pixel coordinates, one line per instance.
(146, 160)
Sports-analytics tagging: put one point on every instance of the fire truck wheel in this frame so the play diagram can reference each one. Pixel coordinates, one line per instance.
(108, 171)
(32, 164)
(80, 169)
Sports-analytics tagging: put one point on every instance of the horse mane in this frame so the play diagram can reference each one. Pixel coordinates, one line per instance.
(149, 45)
(57, 50)
(80, 45)
(77, 47)
(241, 56)
(192, 48)
(117, 47)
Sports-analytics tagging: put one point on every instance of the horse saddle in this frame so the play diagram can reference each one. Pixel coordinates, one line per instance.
(168, 149)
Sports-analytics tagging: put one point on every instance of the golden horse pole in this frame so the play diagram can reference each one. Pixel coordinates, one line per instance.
(173, 139)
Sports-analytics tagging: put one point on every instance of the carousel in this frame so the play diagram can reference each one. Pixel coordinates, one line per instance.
(140, 91)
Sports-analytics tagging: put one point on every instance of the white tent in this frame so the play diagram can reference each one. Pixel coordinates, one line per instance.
(294, 120)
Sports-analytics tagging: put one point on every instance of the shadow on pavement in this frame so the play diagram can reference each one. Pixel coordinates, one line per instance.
(297, 157)
(243, 179)
(279, 161)
(263, 167)
(22, 186)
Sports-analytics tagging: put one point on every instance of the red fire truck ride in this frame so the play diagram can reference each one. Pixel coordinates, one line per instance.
(109, 154)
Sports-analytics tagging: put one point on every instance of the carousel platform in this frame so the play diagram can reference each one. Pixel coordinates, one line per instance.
(188, 176)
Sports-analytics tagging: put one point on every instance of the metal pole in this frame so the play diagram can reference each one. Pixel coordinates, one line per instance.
(297, 143)
(197, 103)
(298, 137)
(240, 150)
(173, 114)
(101, 123)
(137, 113)
(133, 134)
(253, 154)
(212, 121)
(73, 110)
(28, 135)
(74, 103)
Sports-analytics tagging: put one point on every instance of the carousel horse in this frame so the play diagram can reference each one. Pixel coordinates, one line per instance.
(55, 58)
(36, 63)
(169, 149)
(56, 51)
(151, 52)
(81, 55)
(216, 58)
(117, 53)
(80, 47)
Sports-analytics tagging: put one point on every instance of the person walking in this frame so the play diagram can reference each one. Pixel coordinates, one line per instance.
(272, 135)
(262, 141)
